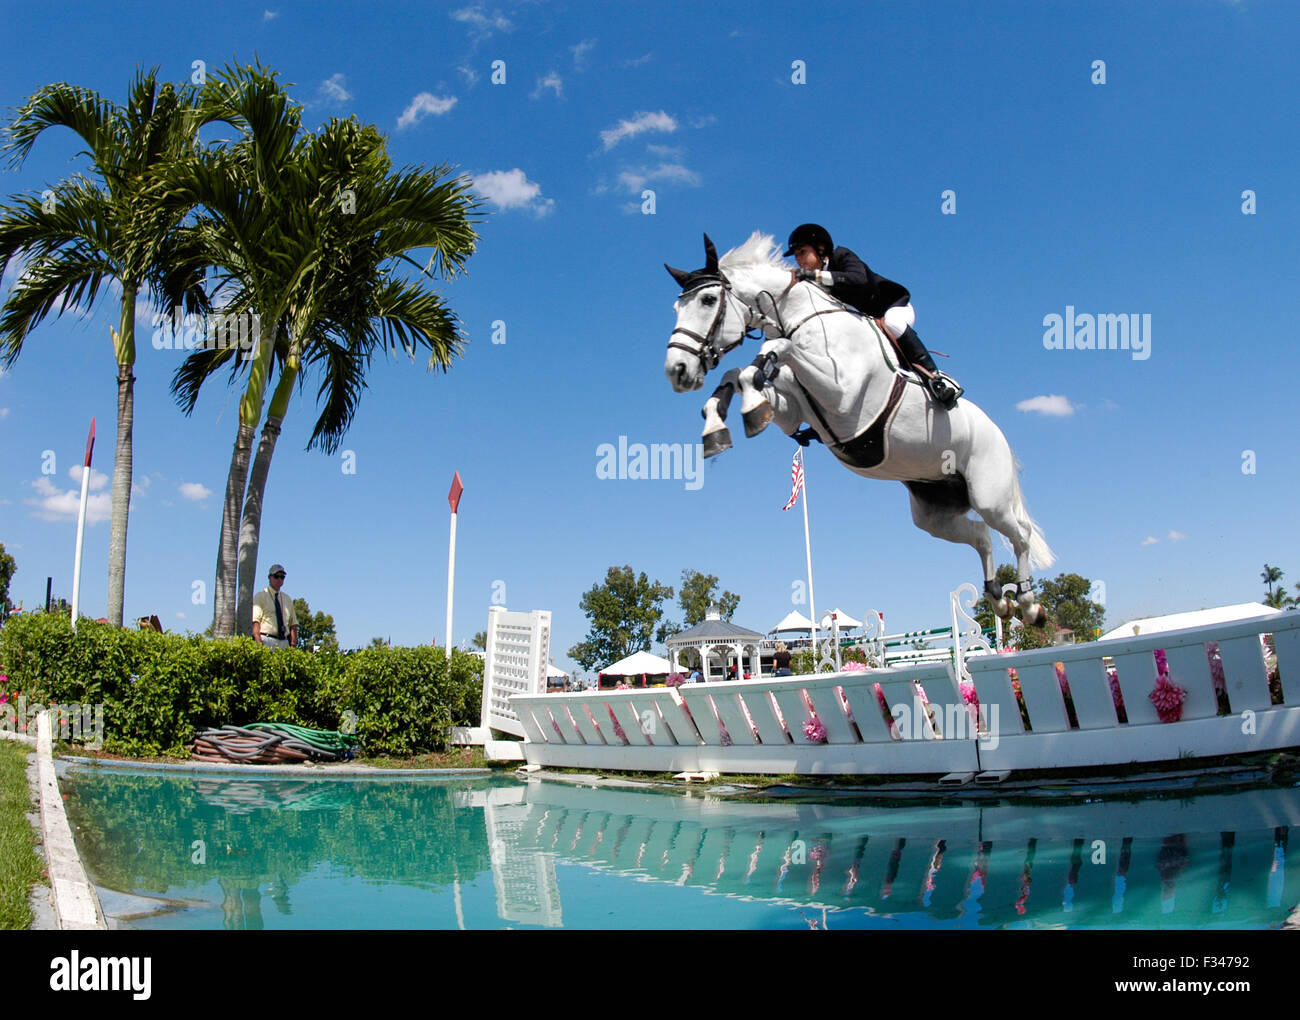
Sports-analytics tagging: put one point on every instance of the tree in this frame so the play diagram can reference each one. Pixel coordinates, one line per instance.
(480, 640)
(314, 628)
(8, 567)
(623, 613)
(697, 597)
(310, 233)
(1270, 576)
(79, 234)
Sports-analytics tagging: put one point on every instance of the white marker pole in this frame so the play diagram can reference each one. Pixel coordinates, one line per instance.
(807, 548)
(453, 500)
(81, 524)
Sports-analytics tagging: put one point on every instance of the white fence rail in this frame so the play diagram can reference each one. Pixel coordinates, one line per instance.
(767, 726)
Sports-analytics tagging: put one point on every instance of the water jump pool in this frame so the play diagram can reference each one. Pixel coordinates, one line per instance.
(221, 851)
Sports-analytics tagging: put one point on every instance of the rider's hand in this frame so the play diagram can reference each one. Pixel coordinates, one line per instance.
(805, 274)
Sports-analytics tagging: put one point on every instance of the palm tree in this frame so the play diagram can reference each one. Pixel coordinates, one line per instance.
(332, 228)
(84, 234)
(1270, 576)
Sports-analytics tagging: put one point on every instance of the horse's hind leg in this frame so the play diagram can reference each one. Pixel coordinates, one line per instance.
(952, 525)
(1006, 515)
(716, 435)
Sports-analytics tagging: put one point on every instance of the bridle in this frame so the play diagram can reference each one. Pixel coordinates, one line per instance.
(705, 347)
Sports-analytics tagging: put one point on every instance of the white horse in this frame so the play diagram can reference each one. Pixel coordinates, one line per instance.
(826, 364)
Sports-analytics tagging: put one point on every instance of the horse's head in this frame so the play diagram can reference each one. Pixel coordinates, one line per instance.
(711, 321)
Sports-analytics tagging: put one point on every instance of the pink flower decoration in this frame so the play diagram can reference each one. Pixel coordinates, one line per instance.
(726, 737)
(675, 679)
(1168, 699)
(815, 730)
(856, 667)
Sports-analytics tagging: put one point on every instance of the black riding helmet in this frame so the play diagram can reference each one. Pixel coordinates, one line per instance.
(811, 233)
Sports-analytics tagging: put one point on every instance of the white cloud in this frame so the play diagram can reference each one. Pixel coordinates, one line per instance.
(194, 491)
(638, 124)
(1150, 540)
(270, 15)
(673, 173)
(54, 504)
(332, 90)
(482, 22)
(1176, 536)
(511, 189)
(580, 53)
(666, 151)
(637, 61)
(553, 82)
(422, 105)
(4, 412)
(97, 478)
(1055, 406)
(469, 74)
(180, 616)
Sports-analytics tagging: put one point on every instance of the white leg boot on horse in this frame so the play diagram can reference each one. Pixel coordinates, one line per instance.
(716, 436)
(755, 409)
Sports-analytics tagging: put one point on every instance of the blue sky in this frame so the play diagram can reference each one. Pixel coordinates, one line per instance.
(1170, 479)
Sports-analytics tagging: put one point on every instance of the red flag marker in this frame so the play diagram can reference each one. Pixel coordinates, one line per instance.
(453, 496)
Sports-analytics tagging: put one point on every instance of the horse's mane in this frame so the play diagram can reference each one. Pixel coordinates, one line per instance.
(760, 252)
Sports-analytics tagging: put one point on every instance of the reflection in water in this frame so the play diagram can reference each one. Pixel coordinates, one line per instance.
(252, 853)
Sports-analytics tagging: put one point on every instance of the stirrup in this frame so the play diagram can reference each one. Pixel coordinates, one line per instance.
(945, 389)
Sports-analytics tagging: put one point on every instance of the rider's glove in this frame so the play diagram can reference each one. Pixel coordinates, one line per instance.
(806, 274)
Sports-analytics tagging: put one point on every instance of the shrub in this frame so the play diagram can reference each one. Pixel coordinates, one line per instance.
(157, 690)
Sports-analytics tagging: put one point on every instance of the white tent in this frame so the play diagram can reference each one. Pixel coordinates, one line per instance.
(794, 621)
(1177, 621)
(845, 621)
(638, 663)
(553, 670)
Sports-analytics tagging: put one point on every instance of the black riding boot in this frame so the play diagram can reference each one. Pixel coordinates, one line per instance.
(941, 387)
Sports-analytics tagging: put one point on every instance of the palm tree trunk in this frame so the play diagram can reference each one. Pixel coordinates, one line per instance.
(124, 349)
(223, 599)
(250, 528)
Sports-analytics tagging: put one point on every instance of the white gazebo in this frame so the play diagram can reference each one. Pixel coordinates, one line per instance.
(716, 636)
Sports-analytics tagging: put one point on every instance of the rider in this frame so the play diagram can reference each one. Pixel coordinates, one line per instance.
(849, 280)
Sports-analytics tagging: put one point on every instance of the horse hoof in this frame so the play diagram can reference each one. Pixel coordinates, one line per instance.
(1036, 616)
(1004, 607)
(757, 419)
(717, 441)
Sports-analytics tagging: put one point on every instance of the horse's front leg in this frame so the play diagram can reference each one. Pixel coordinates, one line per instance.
(716, 436)
(755, 407)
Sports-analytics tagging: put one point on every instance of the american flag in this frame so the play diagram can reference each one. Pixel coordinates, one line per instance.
(796, 478)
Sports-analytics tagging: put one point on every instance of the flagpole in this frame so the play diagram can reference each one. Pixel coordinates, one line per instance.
(81, 524)
(451, 580)
(807, 548)
(453, 500)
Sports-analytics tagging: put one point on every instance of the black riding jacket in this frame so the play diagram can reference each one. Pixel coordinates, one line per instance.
(855, 284)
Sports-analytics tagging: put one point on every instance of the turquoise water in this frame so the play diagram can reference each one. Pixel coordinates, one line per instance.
(271, 853)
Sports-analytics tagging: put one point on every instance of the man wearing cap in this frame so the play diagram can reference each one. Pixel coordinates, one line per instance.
(849, 280)
(274, 622)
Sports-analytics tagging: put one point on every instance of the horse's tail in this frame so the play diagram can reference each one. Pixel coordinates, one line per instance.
(1040, 553)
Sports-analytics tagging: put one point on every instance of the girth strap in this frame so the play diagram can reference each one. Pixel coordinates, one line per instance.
(866, 450)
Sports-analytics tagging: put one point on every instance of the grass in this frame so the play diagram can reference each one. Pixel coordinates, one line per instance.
(20, 867)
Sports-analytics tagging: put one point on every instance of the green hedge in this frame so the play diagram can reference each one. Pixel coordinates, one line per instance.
(157, 690)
